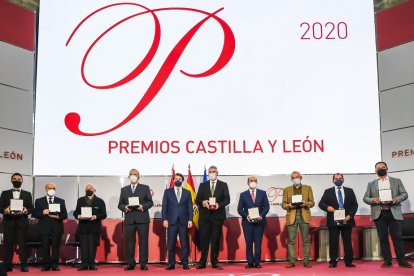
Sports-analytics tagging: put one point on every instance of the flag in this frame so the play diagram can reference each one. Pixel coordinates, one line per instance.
(190, 187)
(205, 178)
(172, 176)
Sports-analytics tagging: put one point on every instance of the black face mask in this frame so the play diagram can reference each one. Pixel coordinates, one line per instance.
(89, 193)
(16, 184)
(382, 172)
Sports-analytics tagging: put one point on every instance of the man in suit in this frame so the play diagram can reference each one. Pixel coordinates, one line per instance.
(298, 215)
(253, 227)
(89, 228)
(177, 217)
(50, 226)
(339, 198)
(387, 215)
(136, 219)
(15, 223)
(211, 216)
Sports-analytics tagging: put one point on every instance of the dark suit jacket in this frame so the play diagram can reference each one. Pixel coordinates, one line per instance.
(90, 226)
(350, 205)
(145, 199)
(5, 202)
(222, 195)
(246, 202)
(172, 210)
(48, 225)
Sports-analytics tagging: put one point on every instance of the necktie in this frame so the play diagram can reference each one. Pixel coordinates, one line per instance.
(212, 188)
(178, 195)
(133, 189)
(253, 197)
(50, 200)
(340, 199)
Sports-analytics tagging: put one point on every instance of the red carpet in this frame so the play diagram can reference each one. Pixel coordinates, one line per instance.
(364, 268)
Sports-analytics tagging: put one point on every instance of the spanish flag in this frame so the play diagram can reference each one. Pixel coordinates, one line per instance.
(190, 187)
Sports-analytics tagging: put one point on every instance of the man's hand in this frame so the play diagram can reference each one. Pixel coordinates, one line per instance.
(348, 217)
(165, 223)
(127, 209)
(394, 201)
(93, 217)
(7, 210)
(376, 200)
(205, 204)
(54, 216)
(79, 217)
(141, 208)
(259, 218)
(248, 218)
(190, 224)
(46, 212)
(331, 209)
(25, 211)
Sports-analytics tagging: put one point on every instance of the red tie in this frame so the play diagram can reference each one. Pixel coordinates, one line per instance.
(253, 198)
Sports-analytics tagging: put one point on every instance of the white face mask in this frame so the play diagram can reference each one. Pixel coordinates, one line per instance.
(296, 181)
(212, 176)
(51, 192)
(252, 185)
(133, 179)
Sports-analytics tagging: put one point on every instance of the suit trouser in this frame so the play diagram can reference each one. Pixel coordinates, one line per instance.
(51, 242)
(210, 233)
(387, 224)
(130, 234)
(88, 245)
(11, 232)
(182, 231)
(304, 232)
(346, 232)
(253, 234)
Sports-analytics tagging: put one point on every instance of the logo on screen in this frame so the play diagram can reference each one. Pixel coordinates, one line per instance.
(73, 119)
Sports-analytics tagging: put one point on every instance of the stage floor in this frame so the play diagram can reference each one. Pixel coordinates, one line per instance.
(363, 268)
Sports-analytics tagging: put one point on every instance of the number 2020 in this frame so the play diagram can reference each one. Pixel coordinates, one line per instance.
(328, 31)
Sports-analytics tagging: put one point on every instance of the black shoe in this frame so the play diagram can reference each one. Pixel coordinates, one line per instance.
(201, 266)
(129, 267)
(405, 265)
(349, 265)
(257, 266)
(332, 265)
(82, 268)
(186, 267)
(45, 269)
(9, 268)
(170, 267)
(386, 265)
(93, 268)
(216, 266)
(55, 269)
(144, 267)
(249, 265)
(24, 268)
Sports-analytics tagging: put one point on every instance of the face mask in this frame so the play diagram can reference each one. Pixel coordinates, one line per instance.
(212, 176)
(17, 184)
(382, 172)
(133, 178)
(252, 185)
(51, 192)
(339, 182)
(178, 183)
(296, 181)
(88, 192)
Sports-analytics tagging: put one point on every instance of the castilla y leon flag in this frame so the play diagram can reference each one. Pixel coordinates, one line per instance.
(172, 176)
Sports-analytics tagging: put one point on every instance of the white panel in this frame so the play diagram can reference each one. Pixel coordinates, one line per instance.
(66, 188)
(396, 66)
(16, 66)
(398, 149)
(5, 182)
(396, 107)
(16, 109)
(16, 152)
(407, 178)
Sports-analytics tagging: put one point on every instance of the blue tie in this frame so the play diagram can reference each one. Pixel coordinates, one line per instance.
(341, 199)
